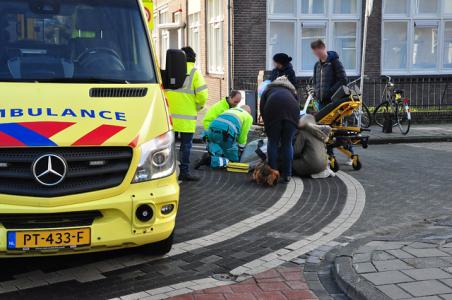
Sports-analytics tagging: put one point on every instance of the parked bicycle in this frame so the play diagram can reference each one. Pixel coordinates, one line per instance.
(394, 106)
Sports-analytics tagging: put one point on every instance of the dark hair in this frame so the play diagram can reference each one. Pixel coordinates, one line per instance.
(233, 93)
(190, 53)
(318, 44)
(282, 58)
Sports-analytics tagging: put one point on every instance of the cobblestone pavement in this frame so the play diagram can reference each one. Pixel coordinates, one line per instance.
(225, 223)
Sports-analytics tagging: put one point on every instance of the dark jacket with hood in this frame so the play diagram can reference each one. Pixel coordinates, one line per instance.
(329, 76)
(280, 103)
(287, 71)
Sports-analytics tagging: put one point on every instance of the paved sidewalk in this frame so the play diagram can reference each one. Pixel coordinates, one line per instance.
(410, 261)
(417, 134)
(285, 283)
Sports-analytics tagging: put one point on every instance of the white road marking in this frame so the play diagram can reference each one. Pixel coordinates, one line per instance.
(354, 206)
(93, 271)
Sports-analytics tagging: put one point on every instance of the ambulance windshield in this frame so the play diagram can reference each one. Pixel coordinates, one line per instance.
(74, 41)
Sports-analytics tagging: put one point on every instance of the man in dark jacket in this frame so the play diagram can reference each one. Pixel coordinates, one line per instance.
(329, 73)
(283, 67)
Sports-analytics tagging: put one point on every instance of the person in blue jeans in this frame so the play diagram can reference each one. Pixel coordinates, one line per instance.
(280, 111)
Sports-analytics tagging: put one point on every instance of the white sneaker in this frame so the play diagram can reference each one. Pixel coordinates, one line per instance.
(324, 174)
(349, 162)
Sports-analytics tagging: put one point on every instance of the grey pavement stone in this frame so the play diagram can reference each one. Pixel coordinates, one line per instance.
(428, 298)
(362, 257)
(391, 265)
(364, 268)
(426, 274)
(381, 255)
(432, 252)
(448, 282)
(394, 292)
(446, 296)
(422, 245)
(390, 277)
(428, 262)
(399, 253)
(425, 288)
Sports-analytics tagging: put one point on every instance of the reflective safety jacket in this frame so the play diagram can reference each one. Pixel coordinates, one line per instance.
(216, 110)
(186, 102)
(237, 122)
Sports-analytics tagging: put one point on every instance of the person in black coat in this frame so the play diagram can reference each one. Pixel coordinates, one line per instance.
(283, 67)
(281, 113)
(329, 73)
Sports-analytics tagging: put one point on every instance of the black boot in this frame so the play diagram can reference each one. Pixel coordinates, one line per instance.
(204, 161)
(188, 178)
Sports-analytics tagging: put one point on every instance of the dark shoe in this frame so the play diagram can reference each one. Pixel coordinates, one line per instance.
(188, 178)
(285, 180)
(204, 161)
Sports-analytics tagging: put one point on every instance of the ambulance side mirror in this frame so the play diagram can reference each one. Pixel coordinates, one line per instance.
(176, 69)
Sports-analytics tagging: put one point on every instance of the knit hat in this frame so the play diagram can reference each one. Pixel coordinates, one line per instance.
(190, 53)
(282, 58)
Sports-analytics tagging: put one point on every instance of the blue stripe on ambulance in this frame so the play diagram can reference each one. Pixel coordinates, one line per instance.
(25, 135)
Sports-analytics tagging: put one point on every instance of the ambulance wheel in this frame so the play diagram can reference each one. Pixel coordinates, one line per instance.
(356, 163)
(162, 247)
(334, 166)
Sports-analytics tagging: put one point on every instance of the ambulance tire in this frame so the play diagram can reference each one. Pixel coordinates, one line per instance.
(160, 248)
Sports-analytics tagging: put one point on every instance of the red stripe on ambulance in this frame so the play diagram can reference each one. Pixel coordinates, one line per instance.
(99, 135)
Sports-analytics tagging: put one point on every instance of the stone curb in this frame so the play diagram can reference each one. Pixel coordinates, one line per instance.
(410, 140)
(353, 285)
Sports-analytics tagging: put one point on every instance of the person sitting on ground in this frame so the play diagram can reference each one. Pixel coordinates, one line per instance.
(280, 112)
(283, 67)
(221, 106)
(226, 137)
(311, 158)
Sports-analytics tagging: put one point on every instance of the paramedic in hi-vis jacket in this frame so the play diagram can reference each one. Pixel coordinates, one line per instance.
(221, 106)
(226, 136)
(184, 105)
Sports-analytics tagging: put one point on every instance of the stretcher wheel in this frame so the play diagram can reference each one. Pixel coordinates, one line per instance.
(356, 163)
(334, 166)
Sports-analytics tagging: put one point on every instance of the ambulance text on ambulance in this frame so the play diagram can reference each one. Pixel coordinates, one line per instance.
(64, 113)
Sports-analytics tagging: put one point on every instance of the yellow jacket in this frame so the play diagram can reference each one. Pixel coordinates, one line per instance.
(216, 110)
(186, 102)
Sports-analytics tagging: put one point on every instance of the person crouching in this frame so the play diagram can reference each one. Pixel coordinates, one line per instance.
(226, 137)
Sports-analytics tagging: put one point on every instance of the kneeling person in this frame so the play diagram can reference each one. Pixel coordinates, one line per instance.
(226, 135)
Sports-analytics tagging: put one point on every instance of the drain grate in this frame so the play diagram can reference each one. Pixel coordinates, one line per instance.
(224, 277)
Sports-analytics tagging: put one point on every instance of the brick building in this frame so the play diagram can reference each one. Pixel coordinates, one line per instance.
(407, 38)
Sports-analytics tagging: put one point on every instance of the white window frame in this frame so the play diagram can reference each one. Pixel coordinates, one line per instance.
(441, 18)
(215, 23)
(329, 19)
(194, 27)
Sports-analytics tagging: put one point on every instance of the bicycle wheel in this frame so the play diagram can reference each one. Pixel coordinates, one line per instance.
(381, 111)
(403, 118)
(366, 119)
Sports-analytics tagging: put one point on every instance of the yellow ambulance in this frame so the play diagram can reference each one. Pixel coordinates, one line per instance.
(87, 159)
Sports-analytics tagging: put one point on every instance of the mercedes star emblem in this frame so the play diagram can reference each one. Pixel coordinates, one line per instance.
(49, 169)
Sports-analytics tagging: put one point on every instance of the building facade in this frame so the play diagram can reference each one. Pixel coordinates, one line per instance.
(203, 25)
(236, 39)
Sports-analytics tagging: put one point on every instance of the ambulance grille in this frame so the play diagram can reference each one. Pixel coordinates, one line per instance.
(118, 92)
(88, 170)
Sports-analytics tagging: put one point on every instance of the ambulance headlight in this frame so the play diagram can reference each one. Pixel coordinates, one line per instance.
(157, 158)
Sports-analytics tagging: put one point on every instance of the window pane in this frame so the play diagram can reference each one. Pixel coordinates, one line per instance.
(448, 45)
(427, 7)
(282, 7)
(396, 7)
(395, 45)
(347, 7)
(345, 43)
(425, 47)
(282, 38)
(448, 7)
(308, 36)
(316, 7)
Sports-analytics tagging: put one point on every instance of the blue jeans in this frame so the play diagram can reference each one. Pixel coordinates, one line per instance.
(282, 134)
(186, 143)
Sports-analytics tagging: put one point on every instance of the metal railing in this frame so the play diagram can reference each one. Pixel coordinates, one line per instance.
(433, 93)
